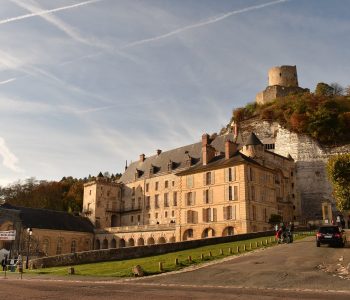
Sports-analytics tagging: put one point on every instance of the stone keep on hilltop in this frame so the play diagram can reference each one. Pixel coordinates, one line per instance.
(310, 156)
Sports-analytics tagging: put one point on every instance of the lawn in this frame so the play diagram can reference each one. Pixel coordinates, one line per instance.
(150, 265)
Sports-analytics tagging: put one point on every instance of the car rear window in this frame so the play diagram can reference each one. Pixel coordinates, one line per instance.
(329, 230)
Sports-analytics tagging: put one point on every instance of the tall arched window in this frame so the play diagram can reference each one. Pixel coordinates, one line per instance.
(59, 246)
(73, 246)
(45, 246)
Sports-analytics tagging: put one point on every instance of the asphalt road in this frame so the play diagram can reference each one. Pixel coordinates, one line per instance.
(283, 272)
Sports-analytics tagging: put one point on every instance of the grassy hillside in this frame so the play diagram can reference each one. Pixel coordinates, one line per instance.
(325, 118)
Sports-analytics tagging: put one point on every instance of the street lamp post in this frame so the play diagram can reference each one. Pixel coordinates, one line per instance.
(30, 232)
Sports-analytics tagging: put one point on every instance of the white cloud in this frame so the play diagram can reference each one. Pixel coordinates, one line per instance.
(10, 160)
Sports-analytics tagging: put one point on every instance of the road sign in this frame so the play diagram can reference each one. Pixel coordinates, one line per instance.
(9, 235)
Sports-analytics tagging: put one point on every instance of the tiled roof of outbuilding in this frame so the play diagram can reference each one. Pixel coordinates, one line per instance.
(50, 219)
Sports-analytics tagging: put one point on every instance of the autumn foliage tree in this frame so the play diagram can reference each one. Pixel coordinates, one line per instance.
(338, 168)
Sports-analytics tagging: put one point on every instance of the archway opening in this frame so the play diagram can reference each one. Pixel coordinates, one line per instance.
(97, 244)
(228, 231)
(150, 241)
(105, 244)
(140, 242)
(161, 240)
(208, 232)
(131, 242)
(122, 243)
(188, 234)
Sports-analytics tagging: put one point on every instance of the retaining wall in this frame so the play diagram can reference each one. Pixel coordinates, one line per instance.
(136, 252)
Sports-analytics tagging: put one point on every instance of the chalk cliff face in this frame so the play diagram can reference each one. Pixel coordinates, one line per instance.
(311, 158)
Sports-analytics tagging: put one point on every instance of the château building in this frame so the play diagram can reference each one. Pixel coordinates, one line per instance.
(216, 187)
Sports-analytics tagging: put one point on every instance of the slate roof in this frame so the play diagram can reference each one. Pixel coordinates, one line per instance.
(253, 140)
(221, 162)
(177, 157)
(50, 219)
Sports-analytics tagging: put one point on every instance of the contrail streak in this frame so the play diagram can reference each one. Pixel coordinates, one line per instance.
(203, 23)
(48, 11)
(7, 81)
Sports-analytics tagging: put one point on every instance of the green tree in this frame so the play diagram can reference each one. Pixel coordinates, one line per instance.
(338, 168)
(324, 89)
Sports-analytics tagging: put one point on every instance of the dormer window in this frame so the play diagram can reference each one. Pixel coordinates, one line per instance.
(170, 165)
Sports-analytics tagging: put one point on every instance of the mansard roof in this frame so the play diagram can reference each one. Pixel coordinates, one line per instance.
(49, 219)
(221, 162)
(253, 140)
(172, 161)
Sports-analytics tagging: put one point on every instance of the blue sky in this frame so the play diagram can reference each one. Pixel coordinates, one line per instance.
(87, 85)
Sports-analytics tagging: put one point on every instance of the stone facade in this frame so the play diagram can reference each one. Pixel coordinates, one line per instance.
(207, 189)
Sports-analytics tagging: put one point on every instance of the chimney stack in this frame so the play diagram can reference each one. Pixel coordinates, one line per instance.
(205, 139)
(230, 149)
(208, 153)
(142, 157)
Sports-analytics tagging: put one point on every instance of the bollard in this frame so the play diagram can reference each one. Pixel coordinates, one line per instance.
(189, 258)
(266, 242)
(237, 249)
(210, 254)
(202, 256)
(244, 248)
(160, 266)
(221, 252)
(256, 244)
(250, 246)
(230, 250)
(71, 271)
(176, 261)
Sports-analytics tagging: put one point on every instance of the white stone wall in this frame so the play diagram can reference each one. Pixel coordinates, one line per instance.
(310, 157)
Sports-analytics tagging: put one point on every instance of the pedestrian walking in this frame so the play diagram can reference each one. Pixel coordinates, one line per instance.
(4, 263)
(20, 264)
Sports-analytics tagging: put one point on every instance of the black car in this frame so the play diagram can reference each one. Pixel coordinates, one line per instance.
(331, 235)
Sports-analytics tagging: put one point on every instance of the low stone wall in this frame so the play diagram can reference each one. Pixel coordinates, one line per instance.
(136, 252)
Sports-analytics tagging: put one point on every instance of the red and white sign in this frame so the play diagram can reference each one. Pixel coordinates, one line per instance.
(9, 235)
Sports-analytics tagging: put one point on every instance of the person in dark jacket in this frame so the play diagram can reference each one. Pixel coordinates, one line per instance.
(4, 263)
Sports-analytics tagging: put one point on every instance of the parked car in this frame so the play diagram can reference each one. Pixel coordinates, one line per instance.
(331, 235)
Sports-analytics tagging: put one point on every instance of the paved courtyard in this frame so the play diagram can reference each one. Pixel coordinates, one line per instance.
(295, 271)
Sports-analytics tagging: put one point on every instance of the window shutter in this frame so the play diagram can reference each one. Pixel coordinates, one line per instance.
(234, 212)
(230, 212)
(234, 178)
(194, 198)
(213, 177)
(214, 214)
(204, 179)
(235, 193)
(211, 194)
(225, 213)
(195, 217)
(226, 174)
(204, 196)
(204, 215)
(188, 216)
(226, 193)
